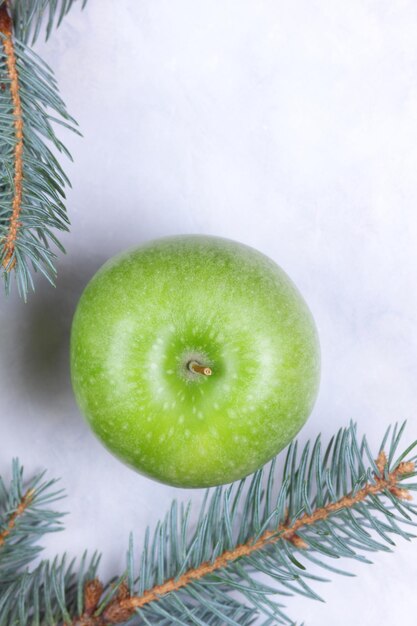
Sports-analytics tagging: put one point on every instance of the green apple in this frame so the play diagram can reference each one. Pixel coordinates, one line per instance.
(194, 359)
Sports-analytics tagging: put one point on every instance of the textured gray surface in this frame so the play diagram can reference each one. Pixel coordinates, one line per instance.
(291, 126)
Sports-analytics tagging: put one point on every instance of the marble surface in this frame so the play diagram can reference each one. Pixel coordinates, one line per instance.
(290, 126)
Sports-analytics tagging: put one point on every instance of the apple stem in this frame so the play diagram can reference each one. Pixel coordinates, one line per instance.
(199, 369)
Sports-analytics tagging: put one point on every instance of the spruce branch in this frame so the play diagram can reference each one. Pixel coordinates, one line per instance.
(29, 16)
(23, 520)
(32, 182)
(342, 503)
(285, 531)
(9, 241)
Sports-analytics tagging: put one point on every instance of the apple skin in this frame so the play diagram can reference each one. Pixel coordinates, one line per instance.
(148, 313)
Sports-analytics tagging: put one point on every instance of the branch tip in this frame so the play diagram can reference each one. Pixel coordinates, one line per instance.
(93, 591)
(381, 462)
(406, 467)
(401, 493)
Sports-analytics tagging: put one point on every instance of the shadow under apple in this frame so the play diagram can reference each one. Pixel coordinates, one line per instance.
(44, 331)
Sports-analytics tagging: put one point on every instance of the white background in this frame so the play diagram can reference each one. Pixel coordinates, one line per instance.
(288, 125)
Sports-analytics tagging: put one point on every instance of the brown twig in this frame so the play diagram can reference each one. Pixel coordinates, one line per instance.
(23, 505)
(124, 606)
(9, 241)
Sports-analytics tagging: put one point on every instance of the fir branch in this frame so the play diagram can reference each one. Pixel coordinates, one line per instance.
(287, 532)
(32, 182)
(48, 595)
(340, 504)
(23, 520)
(30, 15)
(9, 240)
(225, 553)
